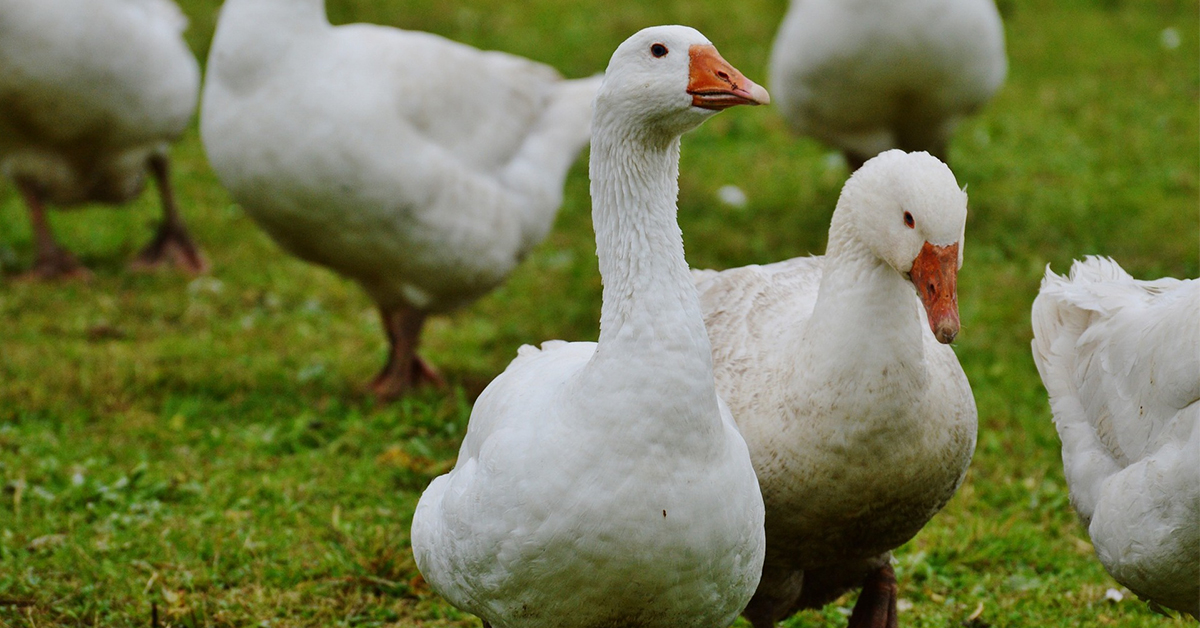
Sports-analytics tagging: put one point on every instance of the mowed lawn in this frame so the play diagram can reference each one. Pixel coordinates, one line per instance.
(205, 447)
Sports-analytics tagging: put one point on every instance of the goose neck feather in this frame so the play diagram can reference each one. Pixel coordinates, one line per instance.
(256, 37)
(866, 326)
(287, 11)
(649, 302)
(258, 26)
(650, 318)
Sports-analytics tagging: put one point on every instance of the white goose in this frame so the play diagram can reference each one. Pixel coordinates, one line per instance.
(604, 484)
(91, 94)
(866, 76)
(421, 168)
(1121, 361)
(859, 419)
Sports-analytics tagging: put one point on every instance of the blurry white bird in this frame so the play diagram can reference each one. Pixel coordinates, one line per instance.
(419, 167)
(1121, 361)
(866, 76)
(859, 418)
(91, 94)
(605, 484)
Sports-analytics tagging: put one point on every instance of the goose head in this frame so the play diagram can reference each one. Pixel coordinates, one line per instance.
(909, 211)
(671, 79)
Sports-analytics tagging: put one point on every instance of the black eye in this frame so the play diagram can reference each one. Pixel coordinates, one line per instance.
(908, 220)
(658, 50)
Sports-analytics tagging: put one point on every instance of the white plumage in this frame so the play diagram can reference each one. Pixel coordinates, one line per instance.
(860, 423)
(419, 167)
(91, 94)
(866, 76)
(1121, 361)
(604, 484)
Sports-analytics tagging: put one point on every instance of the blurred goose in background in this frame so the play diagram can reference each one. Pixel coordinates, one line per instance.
(859, 418)
(605, 484)
(92, 92)
(865, 76)
(421, 168)
(1121, 361)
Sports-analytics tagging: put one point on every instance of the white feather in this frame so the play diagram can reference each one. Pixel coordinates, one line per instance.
(1120, 359)
(422, 168)
(869, 75)
(89, 89)
(605, 484)
(860, 423)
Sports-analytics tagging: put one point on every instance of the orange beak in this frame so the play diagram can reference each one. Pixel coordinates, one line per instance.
(716, 85)
(935, 274)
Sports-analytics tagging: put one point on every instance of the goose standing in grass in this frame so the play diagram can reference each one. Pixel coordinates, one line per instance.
(865, 76)
(421, 168)
(92, 92)
(604, 484)
(1121, 361)
(859, 418)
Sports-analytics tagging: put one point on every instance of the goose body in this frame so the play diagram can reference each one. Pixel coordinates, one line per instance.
(92, 92)
(1120, 359)
(421, 168)
(604, 484)
(860, 423)
(865, 76)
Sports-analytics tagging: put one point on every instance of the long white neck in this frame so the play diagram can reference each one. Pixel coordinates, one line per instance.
(278, 12)
(651, 326)
(867, 327)
(254, 36)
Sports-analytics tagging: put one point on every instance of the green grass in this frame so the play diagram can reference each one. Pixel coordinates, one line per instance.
(206, 446)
